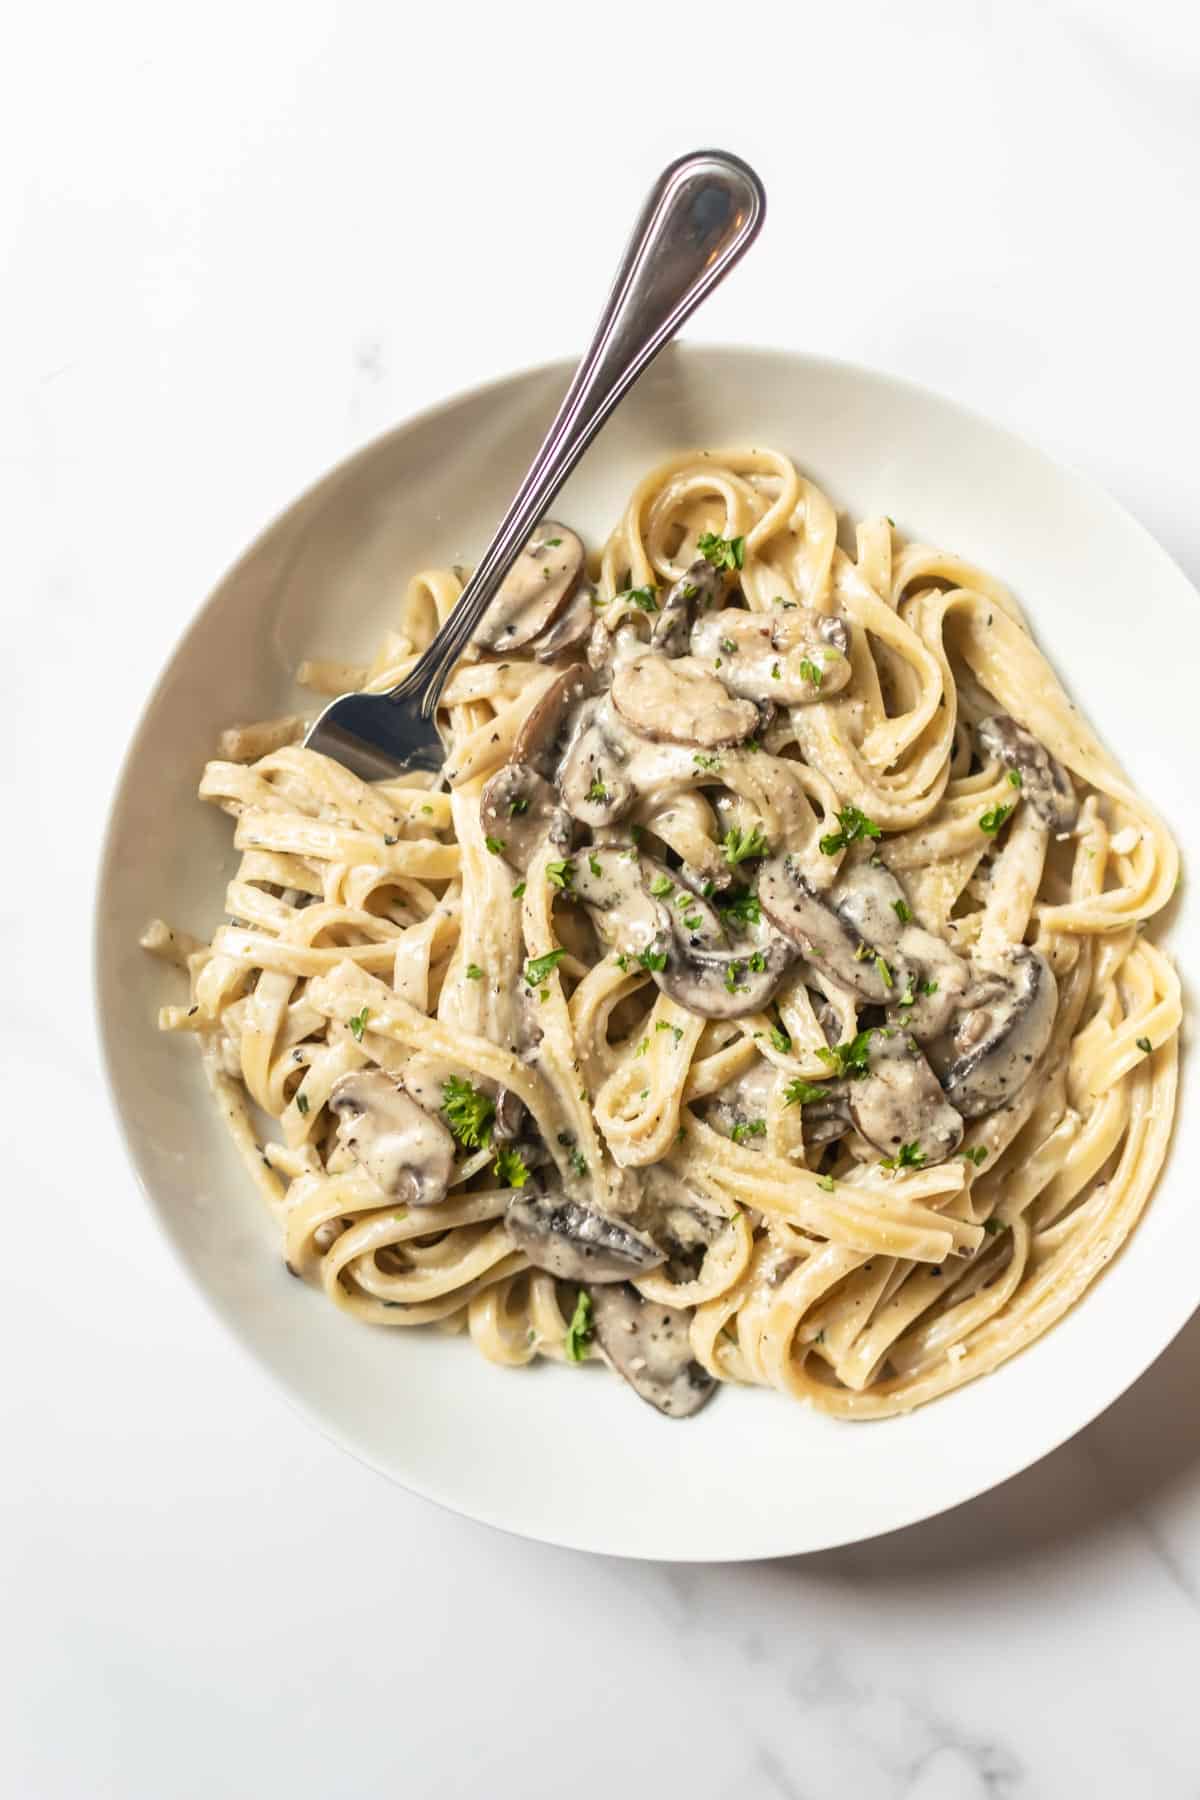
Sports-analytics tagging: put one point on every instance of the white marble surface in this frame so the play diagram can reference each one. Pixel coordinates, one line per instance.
(235, 244)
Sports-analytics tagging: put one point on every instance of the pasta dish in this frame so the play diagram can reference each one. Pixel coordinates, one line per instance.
(761, 996)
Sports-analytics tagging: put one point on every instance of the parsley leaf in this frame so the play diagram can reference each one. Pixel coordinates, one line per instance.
(801, 1093)
(302, 1104)
(826, 1183)
(654, 960)
(594, 865)
(746, 1128)
(1145, 1046)
(1014, 776)
(731, 977)
(903, 911)
(560, 874)
(741, 906)
(537, 970)
(809, 672)
(703, 761)
(661, 886)
(978, 1155)
(851, 1059)
(519, 805)
(781, 1040)
(510, 1167)
(640, 596)
(883, 972)
(758, 962)
(518, 891)
(597, 792)
(579, 1331)
(474, 972)
(910, 1156)
(740, 845)
(665, 1025)
(722, 553)
(469, 1112)
(495, 845)
(358, 1024)
(992, 820)
(854, 825)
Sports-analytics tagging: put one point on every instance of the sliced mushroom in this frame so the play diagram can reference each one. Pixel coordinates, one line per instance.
(609, 881)
(900, 1101)
(572, 628)
(576, 1242)
(406, 1151)
(518, 809)
(829, 940)
(535, 590)
(1002, 1035)
(679, 702)
(1044, 782)
(785, 656)
(929, 979)
(650, 1345)
(512, 1118)
(699, 586)
(723, 984)
(547, 730)
(592, 779)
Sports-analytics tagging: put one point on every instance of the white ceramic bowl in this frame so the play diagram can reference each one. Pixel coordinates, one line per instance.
(564, 1454)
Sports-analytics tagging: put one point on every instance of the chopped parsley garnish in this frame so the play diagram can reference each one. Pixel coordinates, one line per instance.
(518, 891)
(853, 826)
(640, 596)
(469, 1113)
(1145, 1046)
(1014, 776)
(594, 865)
(758, 963)
(665, 1025)
(704, 761)
(903, 911)
(741, 906)
(802, 1093)
(740, 845)
(978, 1155)
(494, 845)
(775, 672)
(642, 1047)
(809, 672)
(910, 1156)
(302, 1104)
(551, 543)
(560, 874)
(358, 1024)
(597, 792)
(578, 1162)
(474, 972)
(708, 890)
(826, 1183)
(731, 977)
(622, 961)
(654, 960)
(510, 1167)
(883, 972)
(993, 819)
(661, 886)
(927, 987)
(722, 553)
(781, 1040)
(579, 1331)
(692, 923)
(747, 1128)
(518, 806)
(994, 1227)
(729, 647)
(851, 1059)
(537, 970)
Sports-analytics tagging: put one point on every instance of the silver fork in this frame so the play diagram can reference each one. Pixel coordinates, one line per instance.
(704, 211)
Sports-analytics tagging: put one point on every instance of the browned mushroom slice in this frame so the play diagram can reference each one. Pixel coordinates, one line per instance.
(650, 1345)
(1004, 1032)
(929, 979)
(1044, 782)
(518, 810)
(535, 590)
(830, 941)
(721, 984)
(548, 727)
(679, 702)
(591, 777)
(407, 1153)
(900, 1101)
(575, 1242)
(790, 657)
(699, 586)
(571, 630)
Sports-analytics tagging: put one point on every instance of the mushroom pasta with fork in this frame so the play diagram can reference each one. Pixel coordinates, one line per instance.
(763, 996)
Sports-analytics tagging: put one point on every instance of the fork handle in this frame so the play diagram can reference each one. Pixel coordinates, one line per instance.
(704, 211)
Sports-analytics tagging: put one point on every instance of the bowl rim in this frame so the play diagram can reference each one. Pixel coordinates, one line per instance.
(276, 1380)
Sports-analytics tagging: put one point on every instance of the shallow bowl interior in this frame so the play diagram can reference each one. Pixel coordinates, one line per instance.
(569, 1455)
